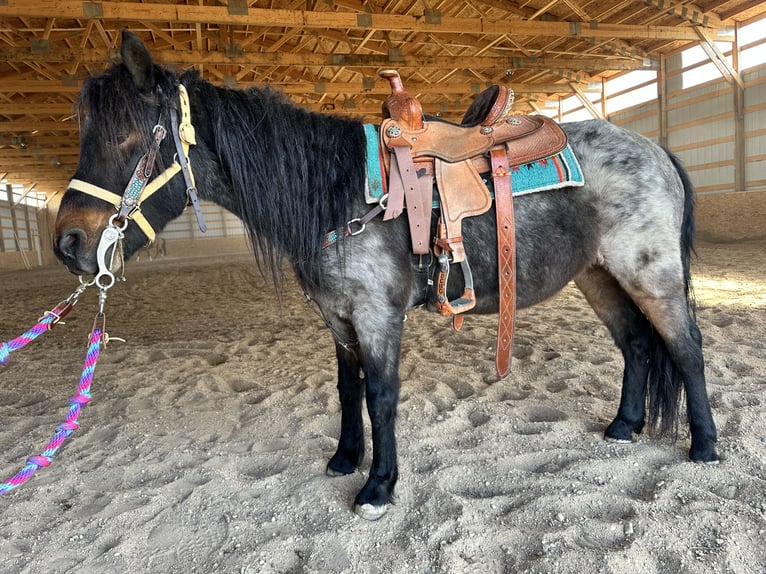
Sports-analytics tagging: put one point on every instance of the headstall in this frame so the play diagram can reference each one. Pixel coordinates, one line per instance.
(139, 188)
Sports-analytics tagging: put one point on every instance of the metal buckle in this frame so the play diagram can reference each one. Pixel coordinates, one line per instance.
(355, 221)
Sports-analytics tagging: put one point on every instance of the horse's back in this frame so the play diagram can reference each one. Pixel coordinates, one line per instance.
(637, 197)
(629, 210)
(627, 176)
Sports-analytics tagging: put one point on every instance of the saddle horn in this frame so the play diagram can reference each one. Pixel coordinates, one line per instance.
(401, 106)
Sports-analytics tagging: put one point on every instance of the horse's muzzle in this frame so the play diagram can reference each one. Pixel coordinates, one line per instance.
(73, 250)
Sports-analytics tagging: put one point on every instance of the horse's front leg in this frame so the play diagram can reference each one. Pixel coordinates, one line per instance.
(350, 392)
(369, 366)
(380, 345)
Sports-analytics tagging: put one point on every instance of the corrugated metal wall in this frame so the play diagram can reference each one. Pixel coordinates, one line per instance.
(701, 131)
(755, 128)
(220, 223)
(644, 119)
(20, 244)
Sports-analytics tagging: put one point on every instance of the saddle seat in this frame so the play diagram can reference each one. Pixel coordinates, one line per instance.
(423, 150)
(489, 107)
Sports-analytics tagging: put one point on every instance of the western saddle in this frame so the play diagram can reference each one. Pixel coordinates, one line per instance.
(422, 151)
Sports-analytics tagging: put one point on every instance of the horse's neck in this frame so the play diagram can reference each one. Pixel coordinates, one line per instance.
(282, 134)
(291, 176)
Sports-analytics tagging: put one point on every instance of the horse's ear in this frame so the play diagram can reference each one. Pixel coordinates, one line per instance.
(138, 60)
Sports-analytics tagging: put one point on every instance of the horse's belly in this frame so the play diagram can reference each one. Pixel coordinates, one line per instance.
(555, 240)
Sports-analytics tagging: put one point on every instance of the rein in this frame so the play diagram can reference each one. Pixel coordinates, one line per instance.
(139, 188)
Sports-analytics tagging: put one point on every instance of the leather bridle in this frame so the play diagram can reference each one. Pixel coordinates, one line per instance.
(139, 188)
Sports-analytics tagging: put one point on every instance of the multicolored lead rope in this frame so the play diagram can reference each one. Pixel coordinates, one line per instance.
(97, 337)
(24, 339)
(70, 424)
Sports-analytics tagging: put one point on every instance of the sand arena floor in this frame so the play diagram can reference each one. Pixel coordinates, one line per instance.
(205, 444)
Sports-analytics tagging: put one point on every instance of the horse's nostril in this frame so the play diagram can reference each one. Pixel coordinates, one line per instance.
(70, 242)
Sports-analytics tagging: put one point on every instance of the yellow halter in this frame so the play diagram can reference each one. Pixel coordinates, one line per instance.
(187, 138)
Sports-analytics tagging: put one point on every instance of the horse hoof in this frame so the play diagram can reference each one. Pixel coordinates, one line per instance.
(708, 461)
(621, 432)
(370, 512)
(333, 473)
(614, 440)
(704, 455)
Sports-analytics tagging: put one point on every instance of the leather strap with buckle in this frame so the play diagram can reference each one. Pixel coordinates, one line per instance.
(506, 258)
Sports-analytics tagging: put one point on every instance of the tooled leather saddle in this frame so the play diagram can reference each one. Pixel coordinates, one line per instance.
(422, 151)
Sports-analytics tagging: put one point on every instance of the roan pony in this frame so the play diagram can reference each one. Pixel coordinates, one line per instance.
(625, 238)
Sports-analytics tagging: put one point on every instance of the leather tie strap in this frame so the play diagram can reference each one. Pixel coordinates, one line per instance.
(405, 189)
(185, 135)
(506, 258)
(132, 196)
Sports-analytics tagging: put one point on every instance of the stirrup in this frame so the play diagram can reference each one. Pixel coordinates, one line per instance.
(466, 301)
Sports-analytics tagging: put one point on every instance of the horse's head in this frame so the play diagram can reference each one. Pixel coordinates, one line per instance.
(118, 113)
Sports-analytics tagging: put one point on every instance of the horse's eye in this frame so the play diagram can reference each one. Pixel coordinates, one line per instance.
(126, 141)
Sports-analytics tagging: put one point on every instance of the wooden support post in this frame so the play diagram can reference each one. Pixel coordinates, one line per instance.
(662, 101)
(738, 89)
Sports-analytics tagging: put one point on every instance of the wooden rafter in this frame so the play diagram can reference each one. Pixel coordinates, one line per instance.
(719, 60)
(191, 57)
(688, 12)
(131, 11)
(325, 54)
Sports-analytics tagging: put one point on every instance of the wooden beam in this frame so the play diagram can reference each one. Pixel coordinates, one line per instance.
(416, 88)
(40, 127)
(32, 141)
(31, 176)
(740, 139)
(50, 158)
(26, 109)
(719, 60)
(10, 86)
(44, 86)
(376, 61)
(687, 11)
(587, 104)
(577, 9)
(662, 100)
(266, 17)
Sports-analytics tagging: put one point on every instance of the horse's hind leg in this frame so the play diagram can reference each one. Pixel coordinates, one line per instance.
(351, 393)
(631, 333)
(655, 281)
(672, 319)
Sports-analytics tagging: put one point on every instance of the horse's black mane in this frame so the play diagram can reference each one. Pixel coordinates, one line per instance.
(112, 100)
(294, 174)
(289, 174)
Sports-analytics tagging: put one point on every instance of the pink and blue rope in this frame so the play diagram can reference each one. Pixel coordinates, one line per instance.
(24, 339)
(75, 405)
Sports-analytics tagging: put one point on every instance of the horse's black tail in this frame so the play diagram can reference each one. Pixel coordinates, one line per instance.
(665, 381)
